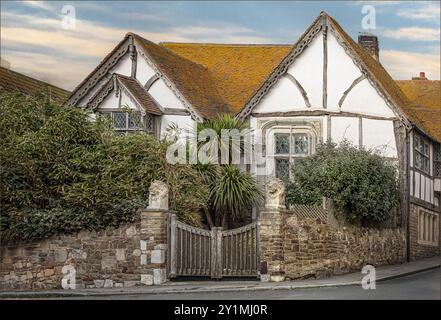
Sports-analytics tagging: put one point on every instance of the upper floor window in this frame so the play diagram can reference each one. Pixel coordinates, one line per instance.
(436, 160)
(289, 148)
(422, 158)
(130, 122)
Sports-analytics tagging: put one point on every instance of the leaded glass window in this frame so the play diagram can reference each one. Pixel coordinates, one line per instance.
(289, 148)
(148, 123)
(301, 143)
(131, 122)
(282, 167)
(134, 120)
(437, 160)
(422, 158)
(282, 143)
(119, 120)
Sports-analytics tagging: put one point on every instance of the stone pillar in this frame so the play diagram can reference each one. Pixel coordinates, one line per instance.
(271, 232)
(153, 245)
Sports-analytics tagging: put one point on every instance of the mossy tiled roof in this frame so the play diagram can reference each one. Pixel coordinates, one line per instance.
(142, 96)
(191, 79)
(11, 80)
(237, 70)
(426, 107)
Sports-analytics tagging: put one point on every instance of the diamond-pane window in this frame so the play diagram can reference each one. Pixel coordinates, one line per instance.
(130, 122)
(422, 158)
(134, 120)
(301, 143)
(119, 120)
(282, 143)
(289, 149)
(148, 123)
(282, 168)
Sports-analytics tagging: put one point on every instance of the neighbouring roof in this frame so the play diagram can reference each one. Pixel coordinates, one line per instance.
(11, 80)
(426, 98)
(144, 99)
(237, 70)
(191, 79)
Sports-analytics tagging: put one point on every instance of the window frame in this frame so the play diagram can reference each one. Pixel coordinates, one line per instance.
(436, 160)
(292, 156)
(127, 129)
(428, 228)
(425, 157)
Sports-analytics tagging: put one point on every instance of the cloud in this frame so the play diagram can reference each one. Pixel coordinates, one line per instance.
(42, 39)
(44, 5)
(428, 11)
(413, 34)
(376, 3)
(402, 65)
(55, 69)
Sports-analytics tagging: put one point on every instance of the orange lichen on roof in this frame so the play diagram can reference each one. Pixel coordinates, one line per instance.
(237, 70)
(191, 79)
(407, 103)
(426, 98)
(11, 80)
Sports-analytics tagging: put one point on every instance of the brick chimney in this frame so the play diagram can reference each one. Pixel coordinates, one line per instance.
(369, 42)
(421, 77)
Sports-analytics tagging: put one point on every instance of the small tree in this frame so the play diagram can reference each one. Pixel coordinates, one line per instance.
(362, 183)
(232, 192)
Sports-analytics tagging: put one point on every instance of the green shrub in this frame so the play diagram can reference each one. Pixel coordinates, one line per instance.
(362, 184)
(61, 172)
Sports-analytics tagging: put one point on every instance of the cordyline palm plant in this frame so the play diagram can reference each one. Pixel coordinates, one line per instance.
(232, 192)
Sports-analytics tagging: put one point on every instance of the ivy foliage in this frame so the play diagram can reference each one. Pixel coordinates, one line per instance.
(61, 172)
(361, 183)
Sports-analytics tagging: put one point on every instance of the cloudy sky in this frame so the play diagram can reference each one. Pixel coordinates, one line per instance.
(35, 41)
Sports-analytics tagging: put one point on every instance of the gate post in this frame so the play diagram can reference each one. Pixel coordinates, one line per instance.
(216, 253)
(153, 241)
(271, 232)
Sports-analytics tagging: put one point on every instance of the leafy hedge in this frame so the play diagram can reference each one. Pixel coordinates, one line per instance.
(362, 184)
(61, 172)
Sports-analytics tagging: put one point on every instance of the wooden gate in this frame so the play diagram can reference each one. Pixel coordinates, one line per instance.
(212, 253)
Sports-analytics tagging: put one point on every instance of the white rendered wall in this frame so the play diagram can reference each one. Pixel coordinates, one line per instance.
(126, 101)
(341, 72)
(124, 66)
(345, 128)
(184, 123)
(143, 71)
(364, 99)
(164, 95)
(109, 102)
(284, 96)
(308, 71)
(379, 134)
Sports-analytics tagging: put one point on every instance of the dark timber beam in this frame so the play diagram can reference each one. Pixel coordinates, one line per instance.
(299, 86)
(353, 84)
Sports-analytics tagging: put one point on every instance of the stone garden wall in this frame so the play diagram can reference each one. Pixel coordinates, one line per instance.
(308, 241)
(131, 255)
(313, 247)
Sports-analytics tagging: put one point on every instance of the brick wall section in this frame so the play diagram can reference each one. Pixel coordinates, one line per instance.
(418, 250)
(130, 255)
(315, 248)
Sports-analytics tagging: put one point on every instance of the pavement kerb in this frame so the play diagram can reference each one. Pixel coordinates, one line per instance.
(163, 290)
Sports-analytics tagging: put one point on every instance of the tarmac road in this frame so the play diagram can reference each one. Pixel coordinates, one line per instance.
(421, 286)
